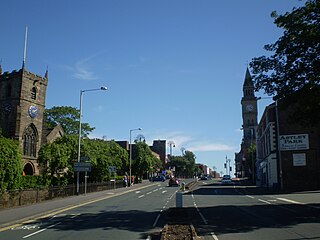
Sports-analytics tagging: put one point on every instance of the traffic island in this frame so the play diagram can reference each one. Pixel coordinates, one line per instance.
(179, 225)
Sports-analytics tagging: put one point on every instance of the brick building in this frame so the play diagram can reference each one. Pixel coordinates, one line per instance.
(288, 153)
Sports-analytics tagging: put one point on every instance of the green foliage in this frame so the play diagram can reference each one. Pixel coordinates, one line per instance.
(58, 158)
(185, 165)
(28, 182)
(294, 63)
(10, 164)
(68, 117)
(143, 159)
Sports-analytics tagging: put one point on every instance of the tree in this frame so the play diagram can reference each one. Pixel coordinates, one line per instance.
(57, 159)
(10, 164)
(68, 117)
(185, 165)
(143, 158)
(294, 66)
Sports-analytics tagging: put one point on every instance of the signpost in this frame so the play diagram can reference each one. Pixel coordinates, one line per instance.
(113, 169)
(83, 167)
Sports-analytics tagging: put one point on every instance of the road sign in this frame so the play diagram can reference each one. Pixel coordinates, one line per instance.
(82, 167)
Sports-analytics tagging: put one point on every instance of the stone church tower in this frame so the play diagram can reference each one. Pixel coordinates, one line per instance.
(249, 111)
(22, 102)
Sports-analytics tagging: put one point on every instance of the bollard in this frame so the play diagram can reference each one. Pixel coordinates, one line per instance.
(179, 199)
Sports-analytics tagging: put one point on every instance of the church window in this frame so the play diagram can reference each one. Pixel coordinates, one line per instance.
(8, 91)
(29, 141)
(33, 93)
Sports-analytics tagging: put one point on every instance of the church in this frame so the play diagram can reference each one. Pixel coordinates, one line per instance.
(22, 101)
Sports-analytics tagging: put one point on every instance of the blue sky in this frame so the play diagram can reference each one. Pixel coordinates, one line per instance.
(175, 68)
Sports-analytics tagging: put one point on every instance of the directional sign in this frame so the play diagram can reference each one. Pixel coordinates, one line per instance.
(82, 167)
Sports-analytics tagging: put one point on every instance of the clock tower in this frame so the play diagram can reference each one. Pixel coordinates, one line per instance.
(22, 102)
(249, 111)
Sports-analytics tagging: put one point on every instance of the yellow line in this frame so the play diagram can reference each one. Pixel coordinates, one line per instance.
(63, 209)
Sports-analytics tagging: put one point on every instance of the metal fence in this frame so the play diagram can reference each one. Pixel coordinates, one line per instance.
(25, 197)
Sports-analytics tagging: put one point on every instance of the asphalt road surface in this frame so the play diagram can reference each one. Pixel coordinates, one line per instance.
(217, 212)
(244, 212)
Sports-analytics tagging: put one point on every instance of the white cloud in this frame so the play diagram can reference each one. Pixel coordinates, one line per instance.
(190, 143)
(210, 147)
(81, 71)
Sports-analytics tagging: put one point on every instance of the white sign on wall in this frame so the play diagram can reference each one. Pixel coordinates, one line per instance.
(294, 142)
(299, 159)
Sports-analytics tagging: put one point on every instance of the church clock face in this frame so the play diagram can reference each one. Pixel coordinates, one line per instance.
(33, 111)
(249, 108)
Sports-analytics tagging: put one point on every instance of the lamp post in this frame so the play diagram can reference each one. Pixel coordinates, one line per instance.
(171, 144)
(79, 140)
(130, 151)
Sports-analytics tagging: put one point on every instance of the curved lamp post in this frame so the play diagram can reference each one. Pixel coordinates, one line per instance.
(79, 140)
(130, 151)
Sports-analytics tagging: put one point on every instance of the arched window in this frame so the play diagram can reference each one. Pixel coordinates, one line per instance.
(8, 91)
(33, 93)
(28, 169)
(29, 141)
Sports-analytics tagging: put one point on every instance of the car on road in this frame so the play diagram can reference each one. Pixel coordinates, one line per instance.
(226, 179)
(173, 182)
(204, 177)
(159, 178)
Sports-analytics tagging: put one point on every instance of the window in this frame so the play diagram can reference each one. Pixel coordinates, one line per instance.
(33, 93)
(8, 91)
(29, 141)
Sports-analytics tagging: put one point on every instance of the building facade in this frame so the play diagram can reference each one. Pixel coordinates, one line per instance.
(22, 102)
(288, 153)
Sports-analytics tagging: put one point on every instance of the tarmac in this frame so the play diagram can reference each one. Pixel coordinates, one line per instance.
(14, 217)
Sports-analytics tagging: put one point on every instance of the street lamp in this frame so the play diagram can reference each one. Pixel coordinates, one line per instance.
(130, 151)
(79, 140)
(171, 144)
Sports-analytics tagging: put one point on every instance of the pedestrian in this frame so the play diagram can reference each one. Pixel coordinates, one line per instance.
(132, 180)
(125, 181)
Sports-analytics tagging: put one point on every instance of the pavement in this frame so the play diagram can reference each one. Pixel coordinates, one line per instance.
(13, 217)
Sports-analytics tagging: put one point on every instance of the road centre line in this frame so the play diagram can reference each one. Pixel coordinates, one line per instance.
(63, 209)
(141, 196)
(214, 236)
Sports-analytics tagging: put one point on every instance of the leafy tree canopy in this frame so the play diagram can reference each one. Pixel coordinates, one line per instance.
(68, 117)
(10, 164)
(292, 71)
(295, 62)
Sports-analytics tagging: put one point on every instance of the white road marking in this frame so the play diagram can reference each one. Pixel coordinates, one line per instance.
(249, 196)
(289, 201)
(141, 196)
(261, 200)
(214, 236)
(149, 193)
(41, 230)
(164, 191)
(138, 192)
(156, 221)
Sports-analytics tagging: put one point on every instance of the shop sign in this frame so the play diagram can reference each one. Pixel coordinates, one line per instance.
(294, 142)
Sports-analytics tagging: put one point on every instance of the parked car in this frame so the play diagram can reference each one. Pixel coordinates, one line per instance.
(173, 182)
(159, 178)
(226, 179)
(204, 177)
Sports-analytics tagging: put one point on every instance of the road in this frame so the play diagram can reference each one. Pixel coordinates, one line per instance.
(217, 212)
(244, 212)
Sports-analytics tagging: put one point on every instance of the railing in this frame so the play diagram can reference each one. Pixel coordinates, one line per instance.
(30, 196)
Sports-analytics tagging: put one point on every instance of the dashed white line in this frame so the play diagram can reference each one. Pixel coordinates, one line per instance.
(214, 236)
(141, 196)
(249, 196)
(289, 201)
